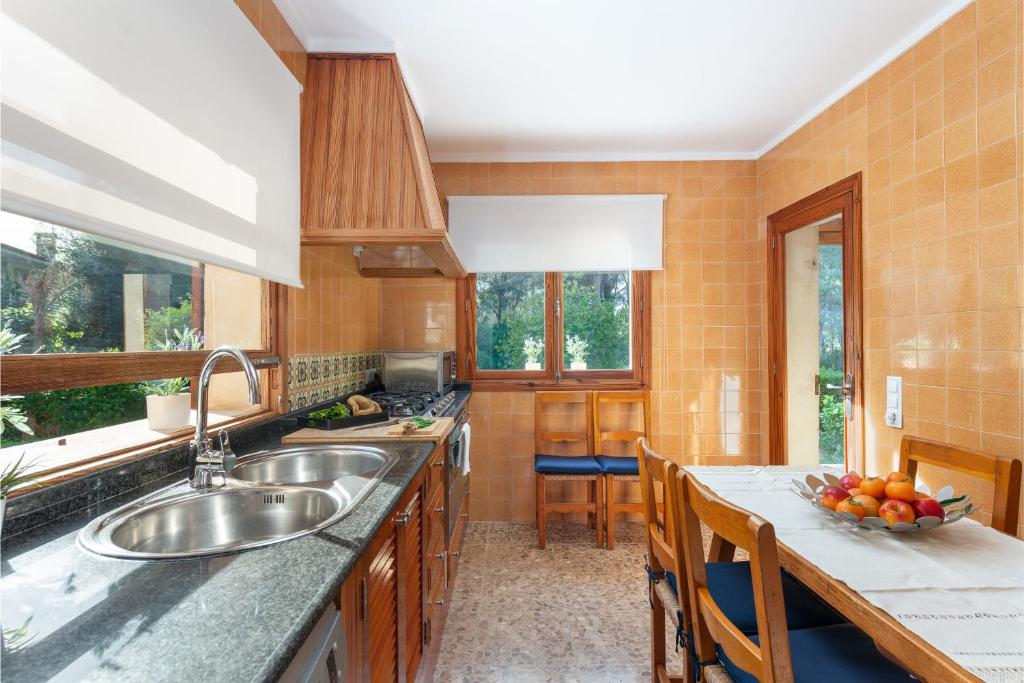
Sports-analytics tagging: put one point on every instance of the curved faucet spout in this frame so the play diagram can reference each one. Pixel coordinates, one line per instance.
(205, 457)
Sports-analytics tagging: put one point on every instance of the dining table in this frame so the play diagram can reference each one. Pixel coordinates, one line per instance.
(946, 603)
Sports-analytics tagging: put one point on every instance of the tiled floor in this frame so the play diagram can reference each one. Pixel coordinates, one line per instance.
(571, 612)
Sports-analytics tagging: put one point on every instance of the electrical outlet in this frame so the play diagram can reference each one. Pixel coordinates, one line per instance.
(894, 401)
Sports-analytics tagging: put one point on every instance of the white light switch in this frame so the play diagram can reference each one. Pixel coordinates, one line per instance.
(894, 402)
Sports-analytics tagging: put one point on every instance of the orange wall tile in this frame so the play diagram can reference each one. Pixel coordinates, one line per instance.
(707, 389)
(937, 135)
(337, 310)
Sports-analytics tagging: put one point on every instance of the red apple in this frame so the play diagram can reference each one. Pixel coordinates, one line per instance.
(831, 496)
(928, 507)
(893, 511)
(850, 481)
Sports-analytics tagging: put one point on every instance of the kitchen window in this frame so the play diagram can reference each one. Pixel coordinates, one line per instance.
(89, 327)
(545, 330)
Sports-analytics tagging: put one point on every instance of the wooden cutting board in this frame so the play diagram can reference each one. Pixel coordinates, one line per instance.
(435, 432)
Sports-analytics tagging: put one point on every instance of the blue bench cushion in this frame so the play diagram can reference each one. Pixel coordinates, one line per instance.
(565, 464)
(617, 464)
(730, 585)
(836, 654)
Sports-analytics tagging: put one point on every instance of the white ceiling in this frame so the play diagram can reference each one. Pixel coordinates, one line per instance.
(536, 80)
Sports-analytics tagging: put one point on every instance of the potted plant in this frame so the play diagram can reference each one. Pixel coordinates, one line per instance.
(168, 401)
(577, 348)
(533, 349)
(12, 475)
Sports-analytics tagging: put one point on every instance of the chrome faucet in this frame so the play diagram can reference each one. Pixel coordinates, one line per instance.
(206, 463)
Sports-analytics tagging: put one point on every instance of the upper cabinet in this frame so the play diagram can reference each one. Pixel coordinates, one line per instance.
(366, 176)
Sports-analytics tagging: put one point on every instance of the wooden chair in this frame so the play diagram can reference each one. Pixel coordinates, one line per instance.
(618, 468)
(583, 467)
(1003, 472)
(835, 653)
(666, 559)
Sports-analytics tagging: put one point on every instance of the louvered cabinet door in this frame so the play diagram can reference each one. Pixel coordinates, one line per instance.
(382, 612)
(409, 531)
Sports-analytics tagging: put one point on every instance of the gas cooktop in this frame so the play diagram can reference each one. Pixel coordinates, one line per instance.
(413, 403)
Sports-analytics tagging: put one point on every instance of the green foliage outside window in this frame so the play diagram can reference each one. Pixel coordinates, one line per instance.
(67, 295)
(510, 308)
(510, 319)
(831, 416)
(597, 312)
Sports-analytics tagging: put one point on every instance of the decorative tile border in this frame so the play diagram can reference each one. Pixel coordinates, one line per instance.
(315, 377)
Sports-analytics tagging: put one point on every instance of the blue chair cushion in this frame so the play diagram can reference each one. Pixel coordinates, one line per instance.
(565, 464)
(731, 586)
(836, 654)
(616, 464)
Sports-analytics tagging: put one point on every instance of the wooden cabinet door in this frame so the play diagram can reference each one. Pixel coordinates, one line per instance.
(349, 602)
(381, 596)
(409, 534)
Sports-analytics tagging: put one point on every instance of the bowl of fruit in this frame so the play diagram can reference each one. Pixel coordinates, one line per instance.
(891, 503)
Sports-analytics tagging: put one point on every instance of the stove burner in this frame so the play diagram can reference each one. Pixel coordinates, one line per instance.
(410, 403)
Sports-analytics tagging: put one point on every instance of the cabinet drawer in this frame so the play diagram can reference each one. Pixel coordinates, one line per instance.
(436, 577)
(435, 472)
(434, 532)
(455, 550)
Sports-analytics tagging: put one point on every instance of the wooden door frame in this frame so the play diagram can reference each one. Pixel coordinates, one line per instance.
(843, 196)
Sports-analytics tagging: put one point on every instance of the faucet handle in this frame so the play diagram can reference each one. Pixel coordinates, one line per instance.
(228, 456)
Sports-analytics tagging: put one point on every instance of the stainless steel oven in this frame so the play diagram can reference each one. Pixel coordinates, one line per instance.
(457, 482)
(431, 371)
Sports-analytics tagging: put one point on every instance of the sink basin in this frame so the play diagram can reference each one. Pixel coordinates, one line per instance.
(196, 523)
(311, 465)
(269, 497)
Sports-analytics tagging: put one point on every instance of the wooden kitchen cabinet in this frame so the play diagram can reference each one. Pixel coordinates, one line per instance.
(383, 601)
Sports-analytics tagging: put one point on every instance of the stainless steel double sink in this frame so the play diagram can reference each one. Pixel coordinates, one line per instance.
(268, 497)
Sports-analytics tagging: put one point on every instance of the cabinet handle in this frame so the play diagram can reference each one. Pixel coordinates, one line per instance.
(365, 601)
(402, 518)
(439, 602)
(456, 553)
(465, 515)
(439, 510)
(441, 555)
(437, 464)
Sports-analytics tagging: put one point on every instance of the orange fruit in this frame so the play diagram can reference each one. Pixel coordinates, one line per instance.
(872, 486)
(853, 507)
(900, 490)
(870, 504)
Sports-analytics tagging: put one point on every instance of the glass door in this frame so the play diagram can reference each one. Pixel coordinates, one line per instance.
(815, 406)
(816, 383)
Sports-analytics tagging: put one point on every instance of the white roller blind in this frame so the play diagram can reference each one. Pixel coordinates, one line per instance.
(557, 232)
(170, 125)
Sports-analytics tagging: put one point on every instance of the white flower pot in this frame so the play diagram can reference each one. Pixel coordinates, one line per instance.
(532, 366)
(167, 413)
(578, 365)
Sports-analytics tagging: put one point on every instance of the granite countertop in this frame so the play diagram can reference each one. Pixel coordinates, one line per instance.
(70, 615)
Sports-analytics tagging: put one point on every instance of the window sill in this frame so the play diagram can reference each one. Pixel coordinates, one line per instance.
(87, 452)
(565, 384)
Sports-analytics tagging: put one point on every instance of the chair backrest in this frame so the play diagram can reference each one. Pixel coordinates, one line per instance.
(1003, 472)
(605, 399)
(769, 659)
(663, 535)
(542, 436)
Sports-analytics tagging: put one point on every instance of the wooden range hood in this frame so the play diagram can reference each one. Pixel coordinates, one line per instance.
(366, 175)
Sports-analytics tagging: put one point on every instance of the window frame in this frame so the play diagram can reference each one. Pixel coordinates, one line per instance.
(553, 376)
(29, 373)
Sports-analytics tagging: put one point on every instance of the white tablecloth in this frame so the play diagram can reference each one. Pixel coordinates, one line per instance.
(960, 588)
